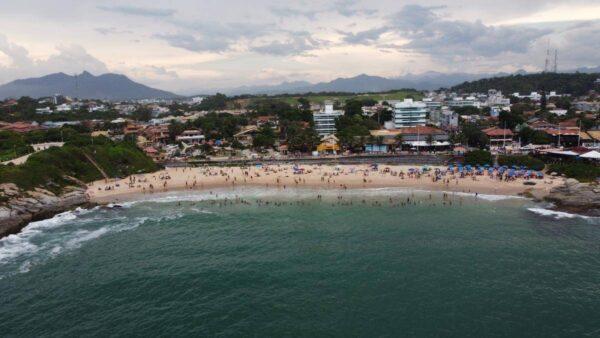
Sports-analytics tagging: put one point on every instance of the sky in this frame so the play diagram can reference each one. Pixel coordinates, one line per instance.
(190, 47)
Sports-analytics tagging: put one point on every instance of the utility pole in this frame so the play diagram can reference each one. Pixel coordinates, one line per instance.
(579, 135)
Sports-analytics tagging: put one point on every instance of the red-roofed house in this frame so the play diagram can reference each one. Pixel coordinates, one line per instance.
(499, 136)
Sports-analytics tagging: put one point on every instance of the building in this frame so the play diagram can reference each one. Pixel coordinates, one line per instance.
(246, 135)
(157, 134)
(329, 145)
(94, 108)
(496, 99)
(20, 127)
(419, 136)
(192, 136)
(197, 100)
(325, 120)
(593, 106)
(458, 102)
(540, 124)
(63, 108)
(44, 110)
(448, 120)
(559, 112)
(273, 121)
(432, 105)
(499, 136)
(409, 113)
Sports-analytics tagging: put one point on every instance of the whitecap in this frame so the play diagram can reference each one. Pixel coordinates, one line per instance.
(556, 214)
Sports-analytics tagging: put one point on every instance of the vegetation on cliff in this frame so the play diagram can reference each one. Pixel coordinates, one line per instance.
(54, 168)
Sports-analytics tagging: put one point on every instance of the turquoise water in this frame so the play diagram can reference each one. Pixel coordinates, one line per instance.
(373, 263)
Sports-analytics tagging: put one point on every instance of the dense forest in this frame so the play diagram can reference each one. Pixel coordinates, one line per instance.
(562, 83)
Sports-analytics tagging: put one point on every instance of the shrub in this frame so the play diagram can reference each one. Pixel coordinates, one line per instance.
(584, 172)
(478, 157)
(521, 160)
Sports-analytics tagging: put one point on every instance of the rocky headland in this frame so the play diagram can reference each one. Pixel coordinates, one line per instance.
(576, 197)
(18, 207)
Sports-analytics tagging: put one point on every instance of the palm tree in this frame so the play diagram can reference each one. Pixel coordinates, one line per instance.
(429, 139)
(399, 140)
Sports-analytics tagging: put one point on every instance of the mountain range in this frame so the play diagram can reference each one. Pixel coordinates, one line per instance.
(365, 83)
(84, 86)
(119, 87)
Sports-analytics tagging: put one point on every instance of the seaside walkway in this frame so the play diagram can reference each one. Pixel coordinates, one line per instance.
(408, 159)
(36, 148)
(96, 165)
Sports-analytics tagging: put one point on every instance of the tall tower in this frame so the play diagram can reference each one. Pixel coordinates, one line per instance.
(556, 60)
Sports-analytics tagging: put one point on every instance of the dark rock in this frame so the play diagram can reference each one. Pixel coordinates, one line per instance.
(38, 204)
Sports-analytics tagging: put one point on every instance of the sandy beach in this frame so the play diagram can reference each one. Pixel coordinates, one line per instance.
(312, 176)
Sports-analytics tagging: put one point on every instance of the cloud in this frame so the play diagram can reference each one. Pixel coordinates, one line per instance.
(428, 32)
(214, 37)
(17, 55)
(68, 59)
(111, 30)
(139, 11)
(346, 8)
(299, 43)
(310, 14)
(365, 37)
(205, 43)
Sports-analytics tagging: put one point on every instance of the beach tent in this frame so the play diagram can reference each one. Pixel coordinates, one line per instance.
(594, 155)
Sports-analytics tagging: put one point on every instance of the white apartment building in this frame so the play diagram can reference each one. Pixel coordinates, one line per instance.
(325, 120)
(92, 109)
(63, 107)
(496, 99)
(469, 101)
(44, 110)
(409, 113)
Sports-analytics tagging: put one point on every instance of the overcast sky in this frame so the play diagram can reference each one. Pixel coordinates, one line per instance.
(188, 46)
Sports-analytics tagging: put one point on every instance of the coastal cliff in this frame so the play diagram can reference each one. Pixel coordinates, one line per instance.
(576, 197)
(18, 207)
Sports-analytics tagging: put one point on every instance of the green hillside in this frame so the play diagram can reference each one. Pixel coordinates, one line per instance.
(51, 168)
(563, 83)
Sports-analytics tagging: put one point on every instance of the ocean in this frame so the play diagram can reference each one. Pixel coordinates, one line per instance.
(258, 262)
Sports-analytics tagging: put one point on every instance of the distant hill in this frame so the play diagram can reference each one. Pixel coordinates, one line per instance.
(563, 83)
(83, 86)
(364, 84)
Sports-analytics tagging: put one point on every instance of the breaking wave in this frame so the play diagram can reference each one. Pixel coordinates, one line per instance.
(43, 240)
(562, 215)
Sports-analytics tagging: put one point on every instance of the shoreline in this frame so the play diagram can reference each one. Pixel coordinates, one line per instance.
(317, 177)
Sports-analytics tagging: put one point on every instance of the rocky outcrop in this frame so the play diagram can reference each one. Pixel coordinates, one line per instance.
(17, 207)
(576, 197)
